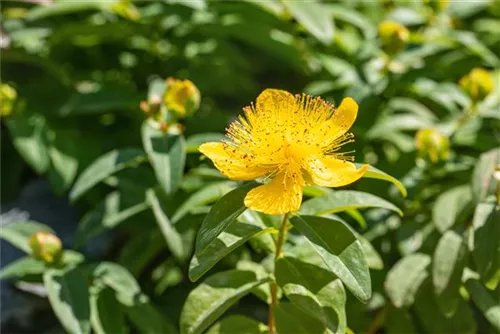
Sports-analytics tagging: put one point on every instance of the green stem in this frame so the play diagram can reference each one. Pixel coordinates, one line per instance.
(274, 285)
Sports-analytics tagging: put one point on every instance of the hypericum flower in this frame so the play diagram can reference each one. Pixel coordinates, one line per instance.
(8, 97)
(478, 83)
(432, 144)
(181, 97)
(291, 141)
(393, 36)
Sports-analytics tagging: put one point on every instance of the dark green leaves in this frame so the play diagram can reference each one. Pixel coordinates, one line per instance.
(69, 297)
(22, 267)
(167, 156)
(222, 214)
(451, 207)
(172, 237)
(340, 250)
(237, 324)
(214, 296)
(314, 290)
(374, 173)
(448, 264)
(343, 200)
(103, 167)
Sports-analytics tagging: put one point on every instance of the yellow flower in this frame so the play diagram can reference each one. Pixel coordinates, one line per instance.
(181, 97)
(393, 36)
(478, 83)
(291, 141)
(432, 144)
(8, 96)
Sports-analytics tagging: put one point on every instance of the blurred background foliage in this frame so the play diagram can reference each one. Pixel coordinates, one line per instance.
(74, 75)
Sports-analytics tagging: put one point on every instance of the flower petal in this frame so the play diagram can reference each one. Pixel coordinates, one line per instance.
(330, 172)
(275, 102)
(282, 195)
(344, 117)
(231, 162)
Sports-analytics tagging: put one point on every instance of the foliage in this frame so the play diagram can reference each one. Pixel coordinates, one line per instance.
(84, 105)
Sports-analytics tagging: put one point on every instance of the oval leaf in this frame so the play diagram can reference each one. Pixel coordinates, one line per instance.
(103, 167)
(404, 279)
(340, 250)
(222, 214)
(483, 299)
(105, 314)
(374, 173)
(447, 267)
(22, 267)
(214, 296)
(315, 17)
(314, 290)
(69, 296)
(234, 236)
(167, 155)
(237, 324)
(290, 319)
(343, 200)
(450, 207)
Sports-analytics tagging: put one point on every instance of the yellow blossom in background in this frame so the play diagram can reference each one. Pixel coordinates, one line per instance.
(291, 141)
(393, 36)
(478, 83)
(432, 144)
(8, 96)
(46, 247)
(181, 97)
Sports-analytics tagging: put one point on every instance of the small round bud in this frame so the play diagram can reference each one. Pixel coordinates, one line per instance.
(478, 84)
(181, 97)
(432, 145)
(8, 96)
(46, 247)
(393, 36)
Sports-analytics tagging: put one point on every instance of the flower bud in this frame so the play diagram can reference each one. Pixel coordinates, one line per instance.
(432, 145)
(181, 97)
(46, 247)
(478, 84)
(8, 96)
(126, 9)
(393, 36)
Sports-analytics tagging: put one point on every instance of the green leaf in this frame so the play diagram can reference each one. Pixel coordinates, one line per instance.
(214, 296)
(148, 319)
(193, 142)
(263, 292)
(29, 136)
(405, 277)
(167, 154)
(342, 200)
(399, 321)
(231, 238)
(483, 299)
(120, 280)
(69, 297)
(290, 319)
(314, 290)
(106, 316)
(486, 243)
(263, 241)
(373, 258)
(103, 167)
(447, 267)
(482, 177)
(18, 233)
(237, 324)
(63, 161)
(108, 214)
(172, 237)
(451, 206)
(433, 321)
(344, 13)
(374, 173)
(315, 17)
(340, 250)
(204, 196)
(22, 267)
(222, 215)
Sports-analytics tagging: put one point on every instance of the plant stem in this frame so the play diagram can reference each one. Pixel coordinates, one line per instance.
(274, 285)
